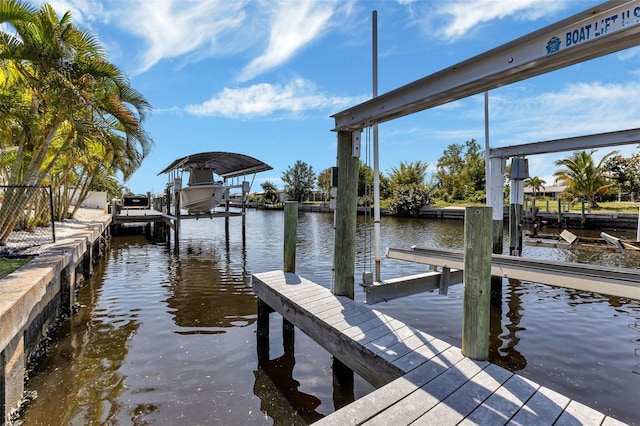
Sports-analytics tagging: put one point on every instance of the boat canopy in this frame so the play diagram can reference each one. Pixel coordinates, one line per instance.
(224, 164)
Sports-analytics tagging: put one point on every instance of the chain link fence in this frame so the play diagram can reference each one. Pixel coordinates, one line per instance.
(26, 218)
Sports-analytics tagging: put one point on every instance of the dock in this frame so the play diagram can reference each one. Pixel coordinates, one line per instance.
(420, 379)
(138, 215)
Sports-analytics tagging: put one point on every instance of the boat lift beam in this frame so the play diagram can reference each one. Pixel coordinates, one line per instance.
(623, 137)
(598, 279)
(607, 28)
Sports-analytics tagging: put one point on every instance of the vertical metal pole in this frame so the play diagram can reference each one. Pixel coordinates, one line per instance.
(176, 226)
(245, 193)
(477, 282)
(494, 178)
(376, 158)
(53, 226)
(226, 212)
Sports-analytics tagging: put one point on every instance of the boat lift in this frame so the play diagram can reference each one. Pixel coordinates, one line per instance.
(601, 30)
(232, 168)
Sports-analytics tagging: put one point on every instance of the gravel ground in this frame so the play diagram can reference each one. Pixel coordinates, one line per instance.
(34, 243)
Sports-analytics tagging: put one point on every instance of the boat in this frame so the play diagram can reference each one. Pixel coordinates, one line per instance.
(204, 192)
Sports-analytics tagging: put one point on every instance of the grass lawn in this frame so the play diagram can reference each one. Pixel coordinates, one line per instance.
(8, 265)
(621, 207)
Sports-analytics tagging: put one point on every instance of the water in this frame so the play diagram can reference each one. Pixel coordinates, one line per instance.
(168, 336)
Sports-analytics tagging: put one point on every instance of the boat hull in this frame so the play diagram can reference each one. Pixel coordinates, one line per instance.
(201, 198)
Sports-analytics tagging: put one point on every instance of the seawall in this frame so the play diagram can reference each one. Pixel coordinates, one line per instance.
(38, 295)
(571, 220)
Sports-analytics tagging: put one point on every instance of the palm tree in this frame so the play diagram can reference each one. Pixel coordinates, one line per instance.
(409, 173)
(583, 177)
(535, 183)
(61, 93)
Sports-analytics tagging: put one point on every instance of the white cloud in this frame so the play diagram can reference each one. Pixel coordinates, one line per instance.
(83, 12)
(629, 54)
(261, 100)
(577, 109)
(193, 30)
(294, 24)
(172, 30)
(464, 16)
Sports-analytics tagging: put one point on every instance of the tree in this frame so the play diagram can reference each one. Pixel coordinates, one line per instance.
(460, 173)
(626, 172)
(535, 183)
(409, 173)
(59, 93)
(270, 192)
(583, 177)
(299, 180)
(324, 183)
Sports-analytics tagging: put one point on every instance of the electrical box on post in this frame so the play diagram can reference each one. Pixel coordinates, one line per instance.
(519, 168)
(334, 177)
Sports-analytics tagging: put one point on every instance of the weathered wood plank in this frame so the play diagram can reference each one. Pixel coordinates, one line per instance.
(365, 408)
(504, 403)
(423, 399)
(467, 398)
(580, 414)
(421, 354)
(406, 286)
(349, 308)
(543, 408)
(350, 352)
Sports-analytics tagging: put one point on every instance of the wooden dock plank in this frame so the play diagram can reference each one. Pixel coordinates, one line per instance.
(420, 378)
(543, 408)
(467, 398)
(350, 352)
(353, 321)
(364, 409)
(503, 403)
(421, 354)
(579, 414)
(423, 399)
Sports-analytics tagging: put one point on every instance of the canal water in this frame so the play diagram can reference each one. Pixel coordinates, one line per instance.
(167, 335)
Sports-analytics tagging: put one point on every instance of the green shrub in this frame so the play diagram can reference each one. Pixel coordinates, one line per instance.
(407, 199)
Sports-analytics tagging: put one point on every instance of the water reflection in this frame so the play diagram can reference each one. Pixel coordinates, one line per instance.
(84, 370)
(200, 282)
(503, 346)
(277, 389)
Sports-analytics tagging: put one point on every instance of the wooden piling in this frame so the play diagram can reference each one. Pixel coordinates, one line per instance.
(290, 233)
(559, 211)
(477, 282)
(344, 254)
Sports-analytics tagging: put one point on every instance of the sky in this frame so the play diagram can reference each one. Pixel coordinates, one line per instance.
(262, 78)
